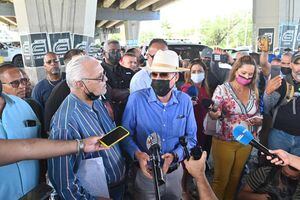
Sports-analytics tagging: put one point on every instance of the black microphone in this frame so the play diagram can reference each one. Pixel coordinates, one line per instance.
(153, 144)
(183, 142)
(196, 152)
(210, 105)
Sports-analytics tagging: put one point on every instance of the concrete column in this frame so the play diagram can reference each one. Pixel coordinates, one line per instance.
(132, 29)
(272, 14)
(72, 21)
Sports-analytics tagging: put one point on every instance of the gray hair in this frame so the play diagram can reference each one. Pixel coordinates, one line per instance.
(75, 69)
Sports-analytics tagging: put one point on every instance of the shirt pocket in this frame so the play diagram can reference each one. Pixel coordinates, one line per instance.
(178, 126)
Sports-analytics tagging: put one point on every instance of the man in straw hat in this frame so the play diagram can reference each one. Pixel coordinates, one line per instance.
(168, 112)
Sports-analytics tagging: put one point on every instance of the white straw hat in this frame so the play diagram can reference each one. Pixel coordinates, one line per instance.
(166, 61)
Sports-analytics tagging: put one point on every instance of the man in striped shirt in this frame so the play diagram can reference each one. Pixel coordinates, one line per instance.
(82, 114)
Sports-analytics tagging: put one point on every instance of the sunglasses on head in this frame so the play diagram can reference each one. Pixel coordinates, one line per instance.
(16, 83)
(55, 61)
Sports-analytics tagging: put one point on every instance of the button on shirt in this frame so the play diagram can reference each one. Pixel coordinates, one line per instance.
(18, 178)
(76, 120)
(145, 114)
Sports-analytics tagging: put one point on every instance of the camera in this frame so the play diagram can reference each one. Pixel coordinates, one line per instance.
(220, 58)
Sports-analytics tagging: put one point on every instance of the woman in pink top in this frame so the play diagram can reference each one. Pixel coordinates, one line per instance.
(237, 101)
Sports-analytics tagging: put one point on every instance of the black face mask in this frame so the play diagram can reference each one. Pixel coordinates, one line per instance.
(161, 87)
(114, 57)
(91, 95)
(286, 70)
(0, 88)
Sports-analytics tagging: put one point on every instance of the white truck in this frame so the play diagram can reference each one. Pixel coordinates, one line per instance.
(11, 52)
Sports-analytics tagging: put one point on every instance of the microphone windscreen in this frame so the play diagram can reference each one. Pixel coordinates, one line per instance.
(192, 91)
(242, 135)
(207, 103)
(153, 139)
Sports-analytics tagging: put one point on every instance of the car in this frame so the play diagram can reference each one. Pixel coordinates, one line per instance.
(11, 52)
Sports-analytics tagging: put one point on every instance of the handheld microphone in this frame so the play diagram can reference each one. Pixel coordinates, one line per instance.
(210, 105)
(153, 144)
(193, 92)
(183, 142)
(244, 136)
(196, 152)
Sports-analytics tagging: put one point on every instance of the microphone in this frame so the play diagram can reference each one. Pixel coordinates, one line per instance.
(153, 144)
(192, 91)
(183, 142)
(210, 105)
(244, 136)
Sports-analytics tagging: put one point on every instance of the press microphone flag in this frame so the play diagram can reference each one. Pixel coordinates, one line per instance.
(244, 136)
(192, 91)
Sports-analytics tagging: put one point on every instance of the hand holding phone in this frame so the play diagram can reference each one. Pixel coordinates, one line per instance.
(255, 120)
(114, 136)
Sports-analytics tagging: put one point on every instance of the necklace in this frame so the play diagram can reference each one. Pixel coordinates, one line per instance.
(50, 83)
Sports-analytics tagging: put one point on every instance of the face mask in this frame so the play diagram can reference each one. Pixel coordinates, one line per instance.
(114, 57)
(198, 78)
(0, 88)
(161, 87)
(285, 70)
(243, 81)
(91, 95)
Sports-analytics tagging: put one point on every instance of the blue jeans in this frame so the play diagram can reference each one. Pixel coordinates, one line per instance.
(282, 140)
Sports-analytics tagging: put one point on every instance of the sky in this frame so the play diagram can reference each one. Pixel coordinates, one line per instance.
(187, 13)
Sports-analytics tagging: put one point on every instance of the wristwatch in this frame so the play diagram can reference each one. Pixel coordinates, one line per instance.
(80, 146)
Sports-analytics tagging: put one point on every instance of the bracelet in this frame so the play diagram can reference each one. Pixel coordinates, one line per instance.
(80, 146)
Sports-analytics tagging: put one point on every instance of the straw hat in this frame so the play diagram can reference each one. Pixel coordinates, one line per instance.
(166, 61)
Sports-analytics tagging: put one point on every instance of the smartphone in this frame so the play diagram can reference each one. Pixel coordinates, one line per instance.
(114, 136)
(265, 42)
(254, 117)
(220, 58)
(275, 71)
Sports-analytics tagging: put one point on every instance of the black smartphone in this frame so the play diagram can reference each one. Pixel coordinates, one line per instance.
(30, 123)
(275, 71)
(114, 136)
(220, 58)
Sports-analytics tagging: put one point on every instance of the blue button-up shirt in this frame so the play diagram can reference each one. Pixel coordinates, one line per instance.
(77, 120)
(140, 80)
(145, 114)
(18, 178)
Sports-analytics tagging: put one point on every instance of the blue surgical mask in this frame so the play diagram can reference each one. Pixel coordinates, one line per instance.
(198, 78)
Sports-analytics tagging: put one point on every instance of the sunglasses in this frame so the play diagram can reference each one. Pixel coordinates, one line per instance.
(152, 56)
(163, 75)
(55, 61)
(100, 78)
(16, 83)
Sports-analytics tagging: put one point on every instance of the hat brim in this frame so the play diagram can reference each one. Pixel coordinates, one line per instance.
(166, 69)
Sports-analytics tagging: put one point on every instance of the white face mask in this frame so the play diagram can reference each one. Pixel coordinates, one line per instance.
(198, 78)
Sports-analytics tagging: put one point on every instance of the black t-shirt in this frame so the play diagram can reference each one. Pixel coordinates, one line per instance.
(57, 96)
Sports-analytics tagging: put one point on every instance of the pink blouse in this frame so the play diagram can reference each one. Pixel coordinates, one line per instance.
(235, 112)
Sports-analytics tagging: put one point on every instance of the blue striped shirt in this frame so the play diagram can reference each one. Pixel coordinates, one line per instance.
(77, 120)
(145, 114)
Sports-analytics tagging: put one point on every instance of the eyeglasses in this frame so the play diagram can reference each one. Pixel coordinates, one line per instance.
(100, 78)
(55, 61)
(16, 83)
(152, 56)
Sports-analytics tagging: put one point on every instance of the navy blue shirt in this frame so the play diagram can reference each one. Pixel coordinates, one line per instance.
(42, 91)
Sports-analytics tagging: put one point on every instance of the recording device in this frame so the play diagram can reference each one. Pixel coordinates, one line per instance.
(153, 144)
(183, 142)
(196, 151)
(193, 92)
(114, 136)
(244, 136)
(223, 58)
(210, 105)
(275, 71)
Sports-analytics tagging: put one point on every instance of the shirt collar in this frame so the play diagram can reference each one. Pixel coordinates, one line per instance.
(7, 98)
(81, 103)
(153, 97)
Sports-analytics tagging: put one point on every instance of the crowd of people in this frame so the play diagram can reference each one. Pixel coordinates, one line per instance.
(63, 116)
